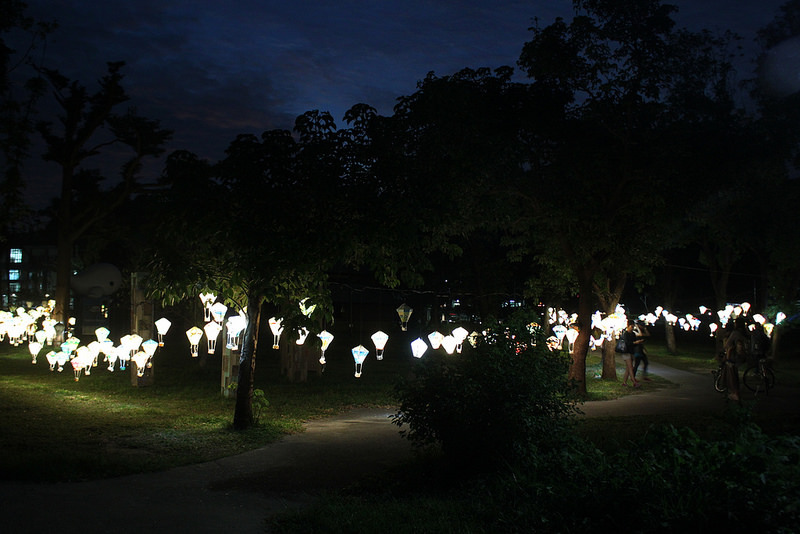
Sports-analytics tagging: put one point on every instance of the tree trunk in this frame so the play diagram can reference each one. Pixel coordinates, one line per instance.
(243, 411)
(577, 370)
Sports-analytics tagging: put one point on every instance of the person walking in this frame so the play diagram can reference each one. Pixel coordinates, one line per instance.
(639, 351)
(735, 352)
(625, 347)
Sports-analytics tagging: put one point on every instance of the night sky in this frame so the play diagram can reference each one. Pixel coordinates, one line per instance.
(211, 70)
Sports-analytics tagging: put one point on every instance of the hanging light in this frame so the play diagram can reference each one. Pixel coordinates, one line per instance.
(140, 359)
(149, 347)
(131, 342)
(404, 312)
(325, 337)
(277, 330)
(307, 311)
(208, 300)
(41, 337)
(218, 311)
(435, 338)
(52, 359)
(359, 354)
(571, 335)
(102, 334)
(460, 334)
(162, 327)
(449, 343)
(473, 338)
(302, 334)
(94, 350)
(418, 347)
(111, 358)
(194, 334)
(234, 325)
(34, 347)
(212, 329)
(379, 338)
(123, 356)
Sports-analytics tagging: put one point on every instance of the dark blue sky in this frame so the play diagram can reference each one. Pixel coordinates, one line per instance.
(211, 70)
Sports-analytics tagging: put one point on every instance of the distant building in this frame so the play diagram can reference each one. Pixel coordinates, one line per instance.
(28, 274)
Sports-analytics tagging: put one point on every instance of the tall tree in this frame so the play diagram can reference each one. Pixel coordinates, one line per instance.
(593, 198)
(19, 94)
(90, 124)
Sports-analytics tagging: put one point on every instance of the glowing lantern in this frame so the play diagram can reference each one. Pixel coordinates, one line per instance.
(379, 338)
(449, 343)
(94, 350)
(41, 337)
(111, 358)
(713, 327)
(759, 318)
(359, 354)
(218, 311)
(34, 347)
(77, 368)
(102, 334)
(52, 359)
(325, 337)
(162, 327)
(70, 345)
(195, 335)
(141, 360)
(418, 347)
(307, 311)
(84, 358)
(780, 317)
(302, 334)
(235, 325)
(768, 328)
(571, 335)
(212, 329)
(208, 300)
(404, 312)
(745, 307)
(149, 347)
(277, 330)
(131, 343)
(436, 339)
(460, 334)
(123, 356)
(61, 358)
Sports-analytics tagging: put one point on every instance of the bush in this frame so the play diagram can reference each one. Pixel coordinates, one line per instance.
(502, 400)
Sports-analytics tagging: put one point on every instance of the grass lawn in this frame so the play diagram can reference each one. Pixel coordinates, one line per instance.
(54, 428)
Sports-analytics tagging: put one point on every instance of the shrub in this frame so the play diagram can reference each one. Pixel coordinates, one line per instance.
(501, 400)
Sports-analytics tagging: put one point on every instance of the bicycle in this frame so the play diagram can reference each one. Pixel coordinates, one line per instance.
(759, 377)
(720, 378)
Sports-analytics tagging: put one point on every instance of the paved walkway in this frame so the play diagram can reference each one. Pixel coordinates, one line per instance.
(238, 492)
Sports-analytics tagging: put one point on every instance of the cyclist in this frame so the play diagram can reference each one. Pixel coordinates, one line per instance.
(735, 350)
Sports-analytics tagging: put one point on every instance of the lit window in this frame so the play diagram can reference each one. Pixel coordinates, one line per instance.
(13, 274)
(15, 256)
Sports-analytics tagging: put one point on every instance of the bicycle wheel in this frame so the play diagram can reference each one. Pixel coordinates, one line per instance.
(719, 382)
(756, 381)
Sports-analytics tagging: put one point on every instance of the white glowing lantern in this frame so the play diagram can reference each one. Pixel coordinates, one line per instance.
(418, 347)
(277, 330)
(212, 330)
(162, 327)
(70, 345)
(379, 338)
(671, 318)
(713, 327)
(123, 356)
(218, 311)
(77, 368)
(84, 358)
(703, 310)
(768, 328)
(302, 334)
(560, 331)
(235, 325)
(149, 347)
(325, 338)
(460, 334)
(52, 359)
(571, 335)
(49, 327)
(780, 317)
(745, 306)
(208, 300)
(194, 334)
(111, 358)
(102, 334)
(650, 319)
(760, 319)
(131, 343)
(449, 343)
(359, 354)
(41, 337)
(140, 359)
(307, 311)
(436, 339)
(596, 343)
(404, 312)
(34, 347)
(94, 350)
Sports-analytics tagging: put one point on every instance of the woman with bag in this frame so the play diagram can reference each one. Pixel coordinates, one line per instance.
(625, 346)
